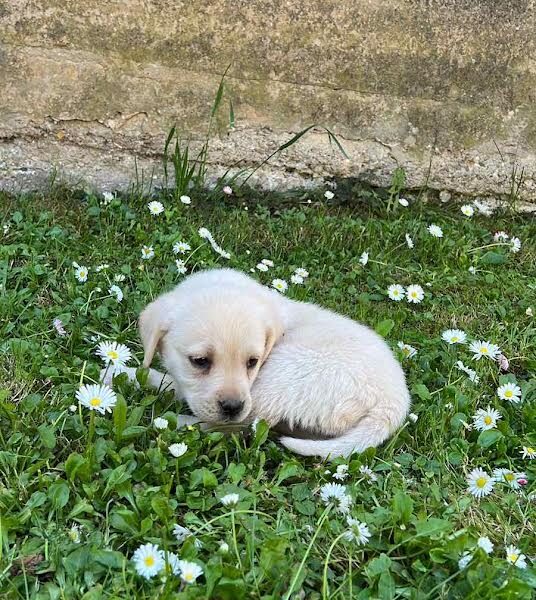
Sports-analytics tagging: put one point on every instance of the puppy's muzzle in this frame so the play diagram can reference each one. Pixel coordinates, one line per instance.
(230, 407)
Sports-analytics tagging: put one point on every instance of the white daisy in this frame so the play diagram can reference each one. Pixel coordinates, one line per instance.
(262, 267)
(481, 348)
(97, 397)
(181, 267)
(74, 533)
(363, 259)
(147, 252)
(205, 234)
(81, 273)
(357, 532)
(177, 450)
(472, 270)
(409, 241)
(160, 423)
(501, 236)
(113, 352)
(267, 262)
(329, 195)
(510, 392)
(119, 278)
(485, 419)
(107, 197)
(515, 557)
(504, 363)
(189, 571)
(341, 473)
(470, 372)
(155, 208)
(280, 285)
(454, 336)
(181, 533)
(467, 210)
(515, 245)
(102, 267)
(181, 248)
(335, 493)
(396, 292)
(227, 189)
(509, 477)
(528, 452)
(414, 293)
(58, 326)
(529, 312)
(172, 562)
(296, 279)
(407, 350)
(230, 499)
(185, 199)
(223, 548)
(435, 230)
(368, 473)
(148, 560)
(485, 543)
(483, 208)
(301, 272)
(466, 558)
(73, 408)
(116, 291)
(413, 417)
(403, 202)
(479, 483)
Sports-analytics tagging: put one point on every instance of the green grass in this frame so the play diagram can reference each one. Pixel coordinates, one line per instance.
(126, 489)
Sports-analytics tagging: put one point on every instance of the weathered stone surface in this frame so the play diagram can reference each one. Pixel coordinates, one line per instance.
(443, 88)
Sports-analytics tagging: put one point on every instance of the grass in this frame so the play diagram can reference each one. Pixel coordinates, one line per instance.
(125, 489)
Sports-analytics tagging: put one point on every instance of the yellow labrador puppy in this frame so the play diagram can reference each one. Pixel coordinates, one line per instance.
(237, 351)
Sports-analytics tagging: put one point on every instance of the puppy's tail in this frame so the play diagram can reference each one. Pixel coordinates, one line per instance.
(371, 431)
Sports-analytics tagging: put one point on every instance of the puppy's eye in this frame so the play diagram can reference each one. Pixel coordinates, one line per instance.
(252, 362)
(200, 362)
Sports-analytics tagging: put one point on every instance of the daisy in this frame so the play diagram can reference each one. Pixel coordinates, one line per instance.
(227, 189)
(177, 450)
(74, 533)
(409, 241)
(181, 533)
(335, 493)
(501, 236)
(81, 273)
(97, 397)
(358, 532)
(230, 499)
(510, 392)
(116, 291)
(73, 408)
(147, 252)
(413, 417)
(181, 248)
(515, 246)
(483, 208)
(485, 419)
(509, 477)
(185, 199)
(172, 562)
(368, 473)
(107, 197)
(301, 272)
(155, 208)
(479, 483)
(205, 234)
(181, 267)
(514, 556)
(435, 230)
(481, 348)
(341, 473)
(504, 363)
(396, 292)
(407, 350)
(414, 294)
(102, 267)
(454, 336)
(467, 210)
(161, 423)
(280, 285)
(148, 560)
(466, 558)
(470, 372)
(267, 262)
(113, 352)
(528, 452)
(224, 548)
(485, 543)
(119, 278)
(296, 279)
(363, 259)
(329, 195)
(58, 326)
(189, 571)
(262, 267)
(403, 202)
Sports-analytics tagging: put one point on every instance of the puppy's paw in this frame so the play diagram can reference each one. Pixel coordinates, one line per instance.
(107, 375)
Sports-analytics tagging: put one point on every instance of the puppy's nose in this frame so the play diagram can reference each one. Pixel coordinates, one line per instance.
(230, 407)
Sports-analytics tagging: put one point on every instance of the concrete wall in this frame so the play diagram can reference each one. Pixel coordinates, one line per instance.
(443, 88)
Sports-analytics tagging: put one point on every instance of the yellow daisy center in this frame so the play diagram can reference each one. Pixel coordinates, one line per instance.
(508, 393)
(530, 450)
(488, 420)
(481, 482)
(509, 476)
(113, 355)
(484, 350)
(413, 294)
(149, 561)
(95, 401)
(188, 576)
(82, 273)
(513, 557)
(454, 338)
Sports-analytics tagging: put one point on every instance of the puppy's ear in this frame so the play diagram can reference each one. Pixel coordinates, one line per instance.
(274, 331)
(153, 327)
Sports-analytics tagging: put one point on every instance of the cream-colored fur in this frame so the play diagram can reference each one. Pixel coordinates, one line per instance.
(318, 372)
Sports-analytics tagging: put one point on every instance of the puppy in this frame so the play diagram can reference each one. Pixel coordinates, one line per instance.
(238, 351)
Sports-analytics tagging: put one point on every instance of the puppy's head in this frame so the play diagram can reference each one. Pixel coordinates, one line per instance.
(213, 345)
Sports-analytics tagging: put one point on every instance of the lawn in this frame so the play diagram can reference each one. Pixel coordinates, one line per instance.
(80, 492)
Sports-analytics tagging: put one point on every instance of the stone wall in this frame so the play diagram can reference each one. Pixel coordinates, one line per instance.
(443, 88)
